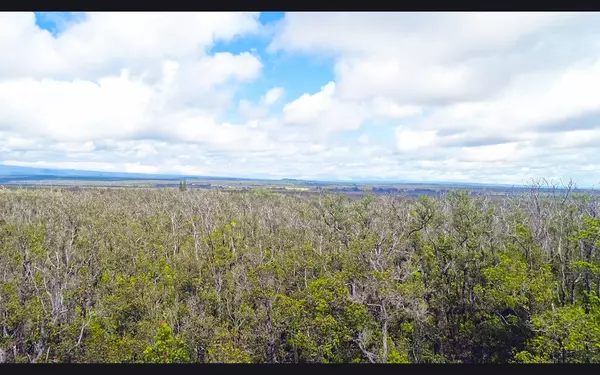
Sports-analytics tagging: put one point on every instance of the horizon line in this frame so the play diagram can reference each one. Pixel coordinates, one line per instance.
(168, 176)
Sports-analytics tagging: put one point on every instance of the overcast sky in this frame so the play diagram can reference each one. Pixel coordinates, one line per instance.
(478, 97)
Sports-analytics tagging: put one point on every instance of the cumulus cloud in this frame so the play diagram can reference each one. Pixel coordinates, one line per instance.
(492, 97)
(487, 95)
(326, 112)
(413, 140)
(123, 76)
(253, 111)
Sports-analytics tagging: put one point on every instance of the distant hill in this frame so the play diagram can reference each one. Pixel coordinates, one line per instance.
(29, 173)
(17, 173)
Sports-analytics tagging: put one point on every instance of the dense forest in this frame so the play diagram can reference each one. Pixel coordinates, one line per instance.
(165, 276)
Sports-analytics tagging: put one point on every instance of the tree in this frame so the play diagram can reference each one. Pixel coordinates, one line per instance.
(166, 348)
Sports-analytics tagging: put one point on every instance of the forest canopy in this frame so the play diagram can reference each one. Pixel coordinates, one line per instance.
(179, 275)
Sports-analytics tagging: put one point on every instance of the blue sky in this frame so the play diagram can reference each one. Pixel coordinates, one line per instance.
(377, 96)
(298, 73)
(280, 69)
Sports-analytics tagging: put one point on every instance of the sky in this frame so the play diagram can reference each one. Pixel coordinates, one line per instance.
(458, 97)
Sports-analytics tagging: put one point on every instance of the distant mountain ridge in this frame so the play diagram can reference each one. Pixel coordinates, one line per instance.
(31, 173)
(19, 173)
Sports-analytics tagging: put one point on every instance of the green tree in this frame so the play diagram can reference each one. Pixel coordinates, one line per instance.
(167, 348)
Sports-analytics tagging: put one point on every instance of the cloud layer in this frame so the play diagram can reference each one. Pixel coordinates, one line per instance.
(488, 97)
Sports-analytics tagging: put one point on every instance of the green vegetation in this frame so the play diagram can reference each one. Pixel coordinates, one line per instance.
(190, 275)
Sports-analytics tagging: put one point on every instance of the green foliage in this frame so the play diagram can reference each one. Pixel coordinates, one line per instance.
(565, 335)
(166, 348)
(262, 277)
(225, 350)
(511, 284)
(322, 321)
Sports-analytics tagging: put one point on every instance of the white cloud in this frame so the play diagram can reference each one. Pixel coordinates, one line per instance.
(386, 108)
(104, 42)
(326, 112)
(496, 97)
(531, 101)
(150, 68)
(273, 95)
(252, 111)
(475, 89)
(78, 110)
(308, 108)
(411, 140)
